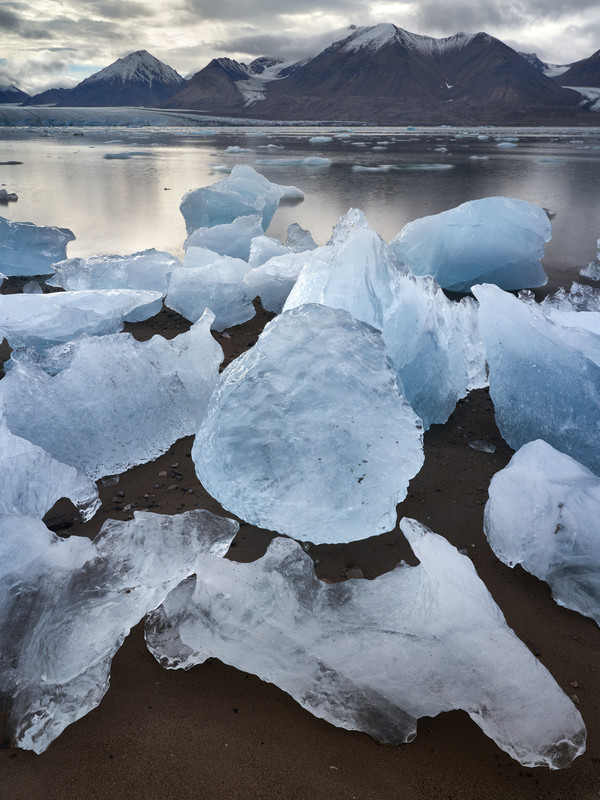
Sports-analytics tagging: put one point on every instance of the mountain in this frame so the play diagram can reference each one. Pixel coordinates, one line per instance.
(11, 94)
(385, 74)
(139, 79)
(583, 73)
(49, 97)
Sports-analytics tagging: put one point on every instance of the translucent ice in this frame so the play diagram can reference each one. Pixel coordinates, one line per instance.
(32, 481)
(543, 513)
(374, 655)
(230, 239)
(544, 376)
(28, 249)
(577, 308)
(105, 404)
(43, 320)
(493, 240)
(68, 604)
(262, 248)
(308, 434)
(148, 269)
(299, 239)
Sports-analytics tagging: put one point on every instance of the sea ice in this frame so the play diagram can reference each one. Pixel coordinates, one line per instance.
(493, 240)
(231, 239)
(104, 404)
(28, 249)
(148, 269)
(543, 513)
(374, 655)
(43, 320)
(308, 434)
(68, 604)
(544, 376)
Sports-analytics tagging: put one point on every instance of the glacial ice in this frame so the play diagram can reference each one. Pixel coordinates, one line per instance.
(218, 285)
(299, 239)
(32, 481)
(592, 270)
(311, 418)
(104, 404)
(68, 604)
(43, 320)
(28, 249)
(579, 307)
(147, 269)
(262, 248)
(273, 280)
(230, 239)
(244, 192)
(374, 655)
(544, 376)
(496, 240)
(543, 513)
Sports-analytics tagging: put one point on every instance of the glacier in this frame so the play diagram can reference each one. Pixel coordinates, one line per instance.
(28, 249)
(311, 418)
(68, 604)
(104, 404)
(496, 240)
(542, 513)
(374, 655)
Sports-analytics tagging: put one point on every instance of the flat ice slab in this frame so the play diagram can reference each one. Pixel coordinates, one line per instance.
(28, 249)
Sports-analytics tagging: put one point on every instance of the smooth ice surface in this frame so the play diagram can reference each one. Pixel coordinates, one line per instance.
(374, 655)
(262, 248)
(28, 249)
(31, 481)
(244, 192)
(273, 280)
(544, 376)
(68, 604)
(543, 513)
(106, 404)
(218, 285)
(308, 434)
(148, 269)
(496, 240)
(43, 320)
(231, 239)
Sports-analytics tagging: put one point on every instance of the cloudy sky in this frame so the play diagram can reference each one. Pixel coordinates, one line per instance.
(58, 43)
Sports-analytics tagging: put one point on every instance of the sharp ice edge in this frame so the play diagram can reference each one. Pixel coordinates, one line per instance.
(28, 249)
(148, 270)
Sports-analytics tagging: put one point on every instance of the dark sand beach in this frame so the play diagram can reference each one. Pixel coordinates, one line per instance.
(216, 733)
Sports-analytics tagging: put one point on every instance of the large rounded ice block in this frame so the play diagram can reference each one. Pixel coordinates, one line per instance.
(308, 434)
(493, 240)
(28, 249)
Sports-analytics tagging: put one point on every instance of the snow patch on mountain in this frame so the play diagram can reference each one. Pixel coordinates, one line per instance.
(377, 36)
(138, 67)
(254, 88)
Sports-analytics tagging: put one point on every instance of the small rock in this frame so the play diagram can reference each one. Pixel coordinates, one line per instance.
(162, 473)
(157, 485)
(173, 488)
(354, 572)
(574, 698)
(574, 684)
(175, 465)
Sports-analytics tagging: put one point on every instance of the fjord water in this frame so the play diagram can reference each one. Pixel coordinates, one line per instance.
(119, 189)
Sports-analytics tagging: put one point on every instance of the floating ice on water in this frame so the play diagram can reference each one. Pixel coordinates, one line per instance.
(230, 239)
(147, 269)
(374, 655)
(543, 513)
(262, 248)
(493, 240)
(308, 434)
(299, 239)
(320, 139)
(234, 148)
(32, 481)
(544, 376)
(218, 285)
(28, 249)
(309, 161)
(43, 320)
(104, 404)
(68, 604)
(244, 192)
(378, 168)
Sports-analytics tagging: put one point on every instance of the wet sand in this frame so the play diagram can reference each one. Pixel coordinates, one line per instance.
(216, 733)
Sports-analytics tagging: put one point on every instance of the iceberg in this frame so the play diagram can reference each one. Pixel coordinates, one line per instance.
(104, 404)
(68, 604)
(308, 434)
(231, 239)
(28, 249)
(44, 320)
(262, 248)
(147, 269)
(374, 655)
(496, 240)
(274, 279)
(299, 239)
(544, 376)
(543, 513)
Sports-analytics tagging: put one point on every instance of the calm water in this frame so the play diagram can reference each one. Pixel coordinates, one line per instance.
(122, 205)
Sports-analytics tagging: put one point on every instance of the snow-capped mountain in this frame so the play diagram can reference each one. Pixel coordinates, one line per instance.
(12, 94)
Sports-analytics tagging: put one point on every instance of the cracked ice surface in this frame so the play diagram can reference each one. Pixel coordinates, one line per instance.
(106, 404)
(374, 655)
(43, 320)
(544, 376)
(311, 418)
(493, 240)
(28, 249)
(32, 481)
(543, 513)
(68, 604)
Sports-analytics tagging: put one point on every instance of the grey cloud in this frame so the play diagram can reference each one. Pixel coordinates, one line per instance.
(251, 10)
(114, 9)
(439, 18)
(8, 19)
